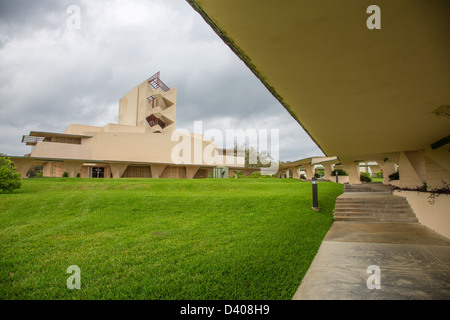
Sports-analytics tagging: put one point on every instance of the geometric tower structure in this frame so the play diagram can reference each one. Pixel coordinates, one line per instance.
(150, 105)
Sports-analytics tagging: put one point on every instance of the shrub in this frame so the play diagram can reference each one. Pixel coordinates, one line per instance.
(365, 177)
(317, 175)
(255, 174)
(341, 172)
(65, 174)
(378, 174)
(302, 176)
(394, 176)
(10, 180)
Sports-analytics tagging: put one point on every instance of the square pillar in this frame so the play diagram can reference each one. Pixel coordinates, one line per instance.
(411, 165)
(117, 169)
(191, 171)
(328, 170)
(157, 170)
(309, 170)
(354, 175)
(388, 168)
(295, 172)
(72, 167)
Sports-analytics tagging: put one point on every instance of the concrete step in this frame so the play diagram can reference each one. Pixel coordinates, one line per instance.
(349, 214)
(372, 204)
(372, 199)
(367, 187)
(386, 208)
(383, 217)
(375, 214)
(360, 219)
(383, 211)
(375, 218)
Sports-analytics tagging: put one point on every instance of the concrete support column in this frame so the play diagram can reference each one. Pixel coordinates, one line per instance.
(411, 165)
(388, 169)
(295, 172)
(72, 167)
(354, 175)
(437, 167)
(328, 170)
(309, 170)
(286, 173)
(157, 170)
(22, 165)
(117, 169)
(191, 171)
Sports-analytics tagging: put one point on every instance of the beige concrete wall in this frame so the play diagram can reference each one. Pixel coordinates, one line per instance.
(136, 147)
(61, 150)
(81, 129)
(435, 216)
(112, 127)
(341, 179)
(128, 108)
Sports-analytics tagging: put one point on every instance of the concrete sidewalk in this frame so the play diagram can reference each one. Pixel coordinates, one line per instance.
(414, 263)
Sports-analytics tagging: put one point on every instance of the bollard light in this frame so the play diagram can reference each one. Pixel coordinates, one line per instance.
(315, 195)
(337, 176)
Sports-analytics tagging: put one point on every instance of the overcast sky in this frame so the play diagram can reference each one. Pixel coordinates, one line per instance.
(52, 76)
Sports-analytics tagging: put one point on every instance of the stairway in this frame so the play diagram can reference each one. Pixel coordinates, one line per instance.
(372, 202)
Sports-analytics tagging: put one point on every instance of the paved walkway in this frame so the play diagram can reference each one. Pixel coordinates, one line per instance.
(414, 263)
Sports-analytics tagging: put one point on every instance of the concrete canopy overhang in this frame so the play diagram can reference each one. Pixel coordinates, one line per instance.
(309, 161)
(55, 134)
(358, 93)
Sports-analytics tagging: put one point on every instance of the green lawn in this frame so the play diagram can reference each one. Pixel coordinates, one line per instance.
(161, 238)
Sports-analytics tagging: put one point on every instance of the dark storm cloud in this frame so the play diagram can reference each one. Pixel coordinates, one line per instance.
(23, 16)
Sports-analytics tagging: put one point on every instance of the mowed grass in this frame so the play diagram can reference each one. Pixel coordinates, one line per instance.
(161, 238)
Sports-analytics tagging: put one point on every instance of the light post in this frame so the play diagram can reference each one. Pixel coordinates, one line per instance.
(314, 195)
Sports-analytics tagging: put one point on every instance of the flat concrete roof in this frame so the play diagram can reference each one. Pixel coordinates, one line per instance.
(56, 134)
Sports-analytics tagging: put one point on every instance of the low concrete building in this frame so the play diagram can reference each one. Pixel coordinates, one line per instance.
(144, 143)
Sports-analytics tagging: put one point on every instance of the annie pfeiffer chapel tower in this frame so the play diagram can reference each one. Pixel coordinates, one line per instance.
(151, 105)
(140, 145)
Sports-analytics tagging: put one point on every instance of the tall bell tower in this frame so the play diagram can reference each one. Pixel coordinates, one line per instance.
(150, 105)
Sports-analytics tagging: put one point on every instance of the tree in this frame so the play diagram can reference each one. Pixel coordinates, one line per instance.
(10, 180)
(253, 157)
